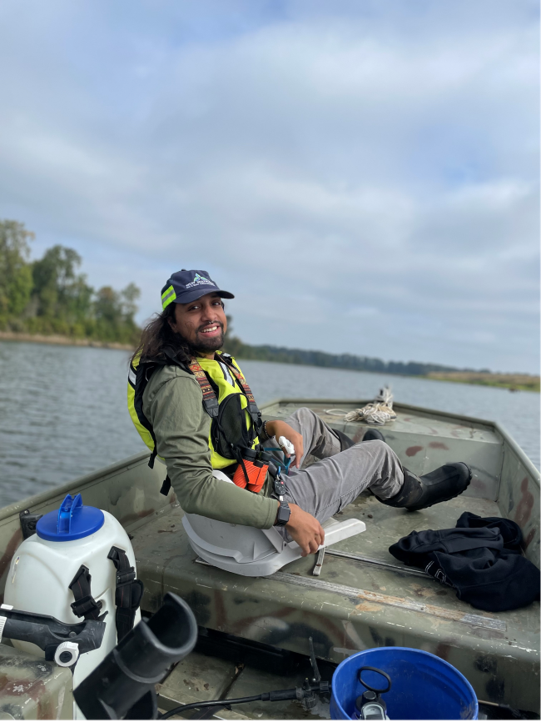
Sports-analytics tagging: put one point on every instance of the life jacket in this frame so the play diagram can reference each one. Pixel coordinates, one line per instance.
(227, 398)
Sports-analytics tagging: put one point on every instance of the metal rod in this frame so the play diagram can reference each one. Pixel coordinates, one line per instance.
(375, 562)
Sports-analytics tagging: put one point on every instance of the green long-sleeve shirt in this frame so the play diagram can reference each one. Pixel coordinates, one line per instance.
(172, 402)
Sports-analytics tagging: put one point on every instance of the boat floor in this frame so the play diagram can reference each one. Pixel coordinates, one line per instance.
(203, 678)
(363, 598)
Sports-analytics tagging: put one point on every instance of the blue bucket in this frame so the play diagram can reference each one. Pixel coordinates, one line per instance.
(423, 685)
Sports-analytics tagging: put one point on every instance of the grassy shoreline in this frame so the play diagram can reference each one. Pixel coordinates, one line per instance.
(511, 381)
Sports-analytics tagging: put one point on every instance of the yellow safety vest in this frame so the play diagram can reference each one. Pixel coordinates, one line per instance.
(227, 398)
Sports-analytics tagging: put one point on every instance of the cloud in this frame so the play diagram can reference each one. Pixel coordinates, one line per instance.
(363, 176)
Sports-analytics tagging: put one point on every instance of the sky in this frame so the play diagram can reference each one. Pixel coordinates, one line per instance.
(362, 175)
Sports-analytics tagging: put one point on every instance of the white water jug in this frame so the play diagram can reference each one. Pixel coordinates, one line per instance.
(46, 563)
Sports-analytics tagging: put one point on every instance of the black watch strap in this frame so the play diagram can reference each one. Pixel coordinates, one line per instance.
(284, 512)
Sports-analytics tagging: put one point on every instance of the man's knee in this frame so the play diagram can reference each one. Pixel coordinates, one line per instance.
(304, 415)
(377, 445)
(376, 449)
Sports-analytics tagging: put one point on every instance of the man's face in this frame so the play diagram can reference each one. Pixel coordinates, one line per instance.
(202, 323)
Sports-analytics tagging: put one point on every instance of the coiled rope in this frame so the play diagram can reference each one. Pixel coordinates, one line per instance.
(378, 412)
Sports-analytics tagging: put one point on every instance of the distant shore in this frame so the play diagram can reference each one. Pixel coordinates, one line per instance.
(512, 381)
(61, 340)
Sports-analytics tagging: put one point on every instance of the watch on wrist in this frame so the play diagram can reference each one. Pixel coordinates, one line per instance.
(284, 512)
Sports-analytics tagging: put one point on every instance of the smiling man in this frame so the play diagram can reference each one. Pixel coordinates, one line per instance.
(194, 409)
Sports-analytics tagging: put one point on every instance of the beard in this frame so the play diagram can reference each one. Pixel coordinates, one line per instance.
(204, 345)
(207, 345)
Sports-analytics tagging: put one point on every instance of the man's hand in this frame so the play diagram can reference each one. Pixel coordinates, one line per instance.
(305, 530)
(281, 428)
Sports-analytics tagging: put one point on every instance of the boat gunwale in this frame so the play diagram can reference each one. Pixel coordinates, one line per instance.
(40, 498)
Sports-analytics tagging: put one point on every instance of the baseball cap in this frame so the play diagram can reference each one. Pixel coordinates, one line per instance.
(189, 285)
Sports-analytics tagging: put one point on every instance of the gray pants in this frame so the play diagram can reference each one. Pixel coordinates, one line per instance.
(328, 485)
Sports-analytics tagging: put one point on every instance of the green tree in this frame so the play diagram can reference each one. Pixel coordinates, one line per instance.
(15, 271)
(51, 296)
(62, 296)
(106, 313)
(128, 296)
(114, 314)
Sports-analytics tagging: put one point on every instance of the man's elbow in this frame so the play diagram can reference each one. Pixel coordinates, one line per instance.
(190, 505)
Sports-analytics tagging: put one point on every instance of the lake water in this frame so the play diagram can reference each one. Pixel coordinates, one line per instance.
(63, 410)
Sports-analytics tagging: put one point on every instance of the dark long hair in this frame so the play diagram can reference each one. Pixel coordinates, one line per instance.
(159, 341)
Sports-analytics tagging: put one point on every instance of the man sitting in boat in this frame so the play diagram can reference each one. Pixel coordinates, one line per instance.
(194, 409)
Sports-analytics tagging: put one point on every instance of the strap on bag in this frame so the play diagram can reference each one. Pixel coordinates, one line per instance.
(85, 605)
(128, 594)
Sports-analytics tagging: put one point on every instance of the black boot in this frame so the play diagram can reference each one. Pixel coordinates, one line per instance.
(440, 485)
(345, 441)
(373, 435)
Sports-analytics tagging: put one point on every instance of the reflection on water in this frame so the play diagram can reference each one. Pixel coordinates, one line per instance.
(63, 410)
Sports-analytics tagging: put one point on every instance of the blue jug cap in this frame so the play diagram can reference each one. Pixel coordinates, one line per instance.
(71, 521)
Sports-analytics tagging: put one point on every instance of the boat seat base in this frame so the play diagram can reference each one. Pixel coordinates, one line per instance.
(249, 551)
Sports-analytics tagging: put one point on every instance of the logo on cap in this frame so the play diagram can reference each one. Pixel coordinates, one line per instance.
(199, 280)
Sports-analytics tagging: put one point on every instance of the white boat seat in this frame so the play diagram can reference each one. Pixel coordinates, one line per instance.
(249, 551)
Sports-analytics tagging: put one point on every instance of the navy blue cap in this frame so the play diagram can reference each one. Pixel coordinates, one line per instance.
(71, 521)
(189, 285)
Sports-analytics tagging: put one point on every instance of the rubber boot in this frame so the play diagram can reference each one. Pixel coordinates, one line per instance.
(440, 485)
(345, 441)
(373, 435)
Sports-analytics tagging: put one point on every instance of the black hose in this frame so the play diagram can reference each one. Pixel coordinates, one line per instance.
(205, 704)
(284, 694)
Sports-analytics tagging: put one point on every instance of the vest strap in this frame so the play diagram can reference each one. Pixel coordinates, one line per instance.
(138, 379)
(166, 486)
(209, 396)
(84, 605)
(253, 410)
(128, 594)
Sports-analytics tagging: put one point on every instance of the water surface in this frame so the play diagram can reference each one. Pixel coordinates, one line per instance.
(63, 409)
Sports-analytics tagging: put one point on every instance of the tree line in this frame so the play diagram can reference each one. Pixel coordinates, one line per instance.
(49, 295)
(346, 361)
